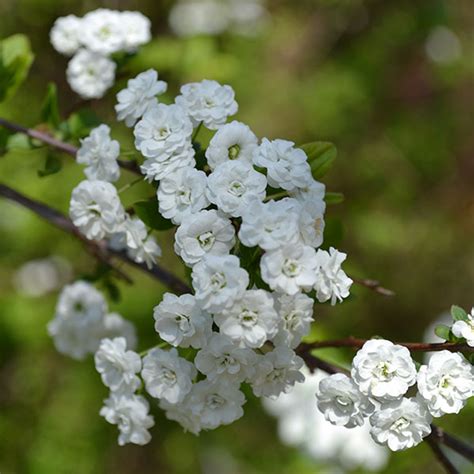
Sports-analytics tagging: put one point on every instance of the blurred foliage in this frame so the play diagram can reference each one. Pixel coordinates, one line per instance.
(355, 73)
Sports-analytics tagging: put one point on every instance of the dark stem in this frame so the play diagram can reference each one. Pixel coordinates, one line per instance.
(454, 443)
(433, 443)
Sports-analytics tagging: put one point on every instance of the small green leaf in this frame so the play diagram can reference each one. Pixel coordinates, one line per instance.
(147, 211)
(81, 123)
(458, 313)
(443, 331)
(334, 198)
(112, 289)
(19, 141)
(52, 165)
(5, 134)
(50, 108)
(15, 61)
(321, 156)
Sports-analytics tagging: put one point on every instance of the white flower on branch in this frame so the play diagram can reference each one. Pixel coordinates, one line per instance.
(167, 376)
(232, 141)
(383, 370)
(65, 35)
(207, 102)
(101, 31)
(118, 366)
(117, 326)
(465, 329)
(136, 30)
(139, 96)
(99, 152)
(446, 383)
(204, 233)
(401, 424)
(182, 413)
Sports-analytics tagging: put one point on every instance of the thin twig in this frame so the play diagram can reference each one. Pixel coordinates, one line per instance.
(455, 444)
(433, 443)
(373, 285)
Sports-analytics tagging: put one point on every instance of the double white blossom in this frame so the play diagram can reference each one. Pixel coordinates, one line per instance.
(182, 413)
(102, 31)
(465, 328)
(65, 35)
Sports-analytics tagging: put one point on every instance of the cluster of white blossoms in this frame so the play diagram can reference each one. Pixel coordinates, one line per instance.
(92, 40)
(382, 374)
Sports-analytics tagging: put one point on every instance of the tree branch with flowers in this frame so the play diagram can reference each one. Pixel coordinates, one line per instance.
(248, 216)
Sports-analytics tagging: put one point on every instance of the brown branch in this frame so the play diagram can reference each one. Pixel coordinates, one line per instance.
(373, 285)
(99, 249)
(455, 444)
(70, 150)
(356, 343)
(433, 443)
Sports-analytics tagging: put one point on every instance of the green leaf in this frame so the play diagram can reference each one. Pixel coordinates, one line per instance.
(15, 61)
(5, 135)
(19, 141)
(321, 156)
(334, 198)
(112, 289)
(81, 123)
(52, 165)
(443, 331)
(147, 211)
(50, 108)
(458, 313)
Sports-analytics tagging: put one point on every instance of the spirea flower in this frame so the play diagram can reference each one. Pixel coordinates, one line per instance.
(208, 102)
(221, 358)
(331, 281)
(131, 414)
(465, 329)
(277, 372)
(401, 424)
(99, 152)
(313, 193)
(116, 325)
(167, 376)
(341, 402)
(383, 370)
(204, 233)
(218, 282)
(287, 166)
(216, 403)
(289, 269)
(89, 74)
(118, 366)
(232, 141)
(181, 322)
(234, 185)
(101, 31)
(295, 316)
(65, 35)
(96, 209)
(446, 383)
(311, 222)
(182, 413)
(136, 30)
(250, 321)
(182, 193)
(139, 96)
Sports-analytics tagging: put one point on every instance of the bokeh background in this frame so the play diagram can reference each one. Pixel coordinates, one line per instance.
(389, 82)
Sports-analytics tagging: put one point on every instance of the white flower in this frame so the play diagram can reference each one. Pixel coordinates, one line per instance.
(383, 370)
(295, 317)
(182, 193)
(216, 403)
(180, 322)
(90, 75)
(139, 96)
(207, 102)
(167, 376)
(136, 30)
(311, 222)
(117, 366)
(218, 282)
(101, 31)
(131, 414)
(289, 269)
(78, 321)
(155, 169)
(331, 281)
(465, 329)
(341, 402)
(204, 233)
(401, 424)
(232, 141)
(287, 166)
(222, 358)
(277, 372)
(250, 321)
(116, 326)
(182, 413)
(313, 193)
(234, 185)
(65, 34)
(446, 382)
(99, 152)
(270, 225)
(96, 209)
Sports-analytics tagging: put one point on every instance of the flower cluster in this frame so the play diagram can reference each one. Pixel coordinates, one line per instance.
(381, 375)
(91, 40)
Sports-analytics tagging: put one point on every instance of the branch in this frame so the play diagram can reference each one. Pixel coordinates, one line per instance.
(373, 285)
(454, 443)
(356, 343)
(71, 150)
(439, 454)
(99, 249)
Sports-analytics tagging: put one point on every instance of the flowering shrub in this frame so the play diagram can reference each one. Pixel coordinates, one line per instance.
(248, 215)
